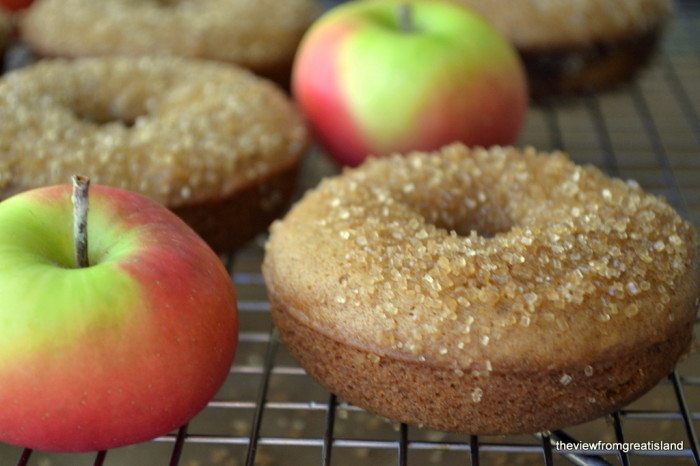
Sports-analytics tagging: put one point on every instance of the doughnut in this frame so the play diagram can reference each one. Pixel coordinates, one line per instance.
(483, 291)
(573, 46)
(217, 145)
(258, 34)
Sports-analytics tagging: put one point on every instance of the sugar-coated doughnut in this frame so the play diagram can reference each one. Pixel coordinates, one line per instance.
(578, 45)
(214, 143)
(486, 292)
(258, 34)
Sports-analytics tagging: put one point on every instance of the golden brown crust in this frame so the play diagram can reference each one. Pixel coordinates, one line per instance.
(227, 224)
(186, 133)
(506, 266)
(257, 34)
(518, 401)
(554, 24)
(589, 68)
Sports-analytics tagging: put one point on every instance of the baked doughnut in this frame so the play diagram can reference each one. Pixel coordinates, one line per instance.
(214, 143)
(487, 292)
(258, 34)
(577, 45)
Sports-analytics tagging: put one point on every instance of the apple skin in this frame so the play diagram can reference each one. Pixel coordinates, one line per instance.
(367, 87)
(15, 5)
(122, 351)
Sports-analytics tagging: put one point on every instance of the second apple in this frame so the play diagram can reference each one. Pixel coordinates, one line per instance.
(375, 77)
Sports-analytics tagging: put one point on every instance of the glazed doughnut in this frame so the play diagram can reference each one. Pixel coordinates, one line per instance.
(258, 34)
(572, 45)
(214, 143)
(486, 292)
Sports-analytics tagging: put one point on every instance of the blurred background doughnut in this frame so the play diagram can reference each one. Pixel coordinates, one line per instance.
(261, 35)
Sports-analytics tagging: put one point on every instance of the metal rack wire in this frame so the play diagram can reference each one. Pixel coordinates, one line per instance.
(271, 413)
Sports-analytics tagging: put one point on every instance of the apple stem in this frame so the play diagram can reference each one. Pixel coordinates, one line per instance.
(81, 187)
(406, 18)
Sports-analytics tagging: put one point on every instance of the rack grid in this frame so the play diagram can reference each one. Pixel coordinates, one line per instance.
(270, 412)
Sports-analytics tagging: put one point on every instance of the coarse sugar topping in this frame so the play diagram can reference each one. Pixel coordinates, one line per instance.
(472, 256)
(179, 131)
(253, 33)
(542, 24)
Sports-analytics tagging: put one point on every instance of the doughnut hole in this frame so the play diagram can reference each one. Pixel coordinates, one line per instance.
(122, 107)
(168, 3)
(455, 205)
(487, 220)
(106, 118)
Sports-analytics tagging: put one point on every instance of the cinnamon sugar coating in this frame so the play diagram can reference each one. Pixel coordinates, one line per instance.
(257, 34)
(179, 131)
(485, 261)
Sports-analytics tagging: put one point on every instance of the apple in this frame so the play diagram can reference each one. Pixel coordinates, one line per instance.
(375, 77)
(14, 5)
(128, 346)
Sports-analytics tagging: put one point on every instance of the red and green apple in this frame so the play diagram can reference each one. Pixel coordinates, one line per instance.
(375, 77)
(120, 351)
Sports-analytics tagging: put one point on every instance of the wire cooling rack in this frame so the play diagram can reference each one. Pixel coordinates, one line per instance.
(269, 412)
